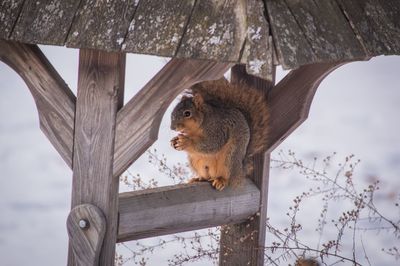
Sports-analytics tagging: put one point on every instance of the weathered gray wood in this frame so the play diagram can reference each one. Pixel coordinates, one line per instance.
(158, 26)
(291, 98)
(291, 45)
(326, 29)
(9, 10)
(258, 49)
(312, 31)
(216, 30)
(45, 21)
(243, 243)
(86, 227)
(55, 102)
(100, 83)
(168, 210)
(101, 24)
(375, 23)
(303, 32)
(139, 120)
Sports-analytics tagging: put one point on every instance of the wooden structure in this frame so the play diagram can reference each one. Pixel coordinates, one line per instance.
(99, 138)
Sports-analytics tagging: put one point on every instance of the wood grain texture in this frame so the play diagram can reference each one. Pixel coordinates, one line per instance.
(327, 30)
(243, 243)
(101, 24)
(86, 242)
(45, 21)
(168, 210)
(158, 26)
(139, 120)
(312, 31)
(216, 31)
(100, 83)
(55, 102)
(291, 44)
(258, 49)
(291, 98)
(376, 24)
(9, 12)
(239, 31)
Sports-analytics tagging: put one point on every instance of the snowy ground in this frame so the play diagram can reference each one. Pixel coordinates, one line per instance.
(356, 110)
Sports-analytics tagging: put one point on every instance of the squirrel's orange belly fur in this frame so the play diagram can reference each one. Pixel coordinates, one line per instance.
(211, 166)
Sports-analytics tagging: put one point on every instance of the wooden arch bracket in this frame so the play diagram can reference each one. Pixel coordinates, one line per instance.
(290, 100)
(55, 102)
(86, 226)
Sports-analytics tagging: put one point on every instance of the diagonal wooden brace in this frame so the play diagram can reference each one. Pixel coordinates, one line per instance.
(55, 102)
(86, 227)
(290, 100)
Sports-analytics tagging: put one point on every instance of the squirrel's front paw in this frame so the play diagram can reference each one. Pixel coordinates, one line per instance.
(180, 142)
(219, 183)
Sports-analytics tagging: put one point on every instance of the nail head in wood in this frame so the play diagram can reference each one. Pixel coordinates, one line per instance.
(86, 226)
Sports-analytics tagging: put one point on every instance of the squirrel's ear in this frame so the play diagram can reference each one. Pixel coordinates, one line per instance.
(198, 100)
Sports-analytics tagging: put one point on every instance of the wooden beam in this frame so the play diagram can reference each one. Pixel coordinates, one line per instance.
(55, 102)
(139, 120)
(243, 243)
(291, 98)
(100, 85)
(173, 209)
(86, 227)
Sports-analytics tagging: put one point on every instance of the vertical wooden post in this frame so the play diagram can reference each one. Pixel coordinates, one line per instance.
(100, 94)
(243, 244)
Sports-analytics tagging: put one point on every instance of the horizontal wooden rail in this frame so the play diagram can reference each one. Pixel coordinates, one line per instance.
(168, 210)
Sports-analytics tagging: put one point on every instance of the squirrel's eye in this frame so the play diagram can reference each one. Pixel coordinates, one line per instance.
(187, 113)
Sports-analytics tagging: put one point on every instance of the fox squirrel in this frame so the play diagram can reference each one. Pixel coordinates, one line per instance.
(221, 126)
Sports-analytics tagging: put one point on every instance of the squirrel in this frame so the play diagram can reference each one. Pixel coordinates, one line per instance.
(221, 126)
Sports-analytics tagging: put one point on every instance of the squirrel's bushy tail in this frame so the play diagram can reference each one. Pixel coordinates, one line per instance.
(251, 102)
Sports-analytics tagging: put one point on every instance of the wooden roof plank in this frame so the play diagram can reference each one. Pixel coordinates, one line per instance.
(303, 32)
(45, 21)
(326, 29)
(9, 11)
(158, 26)
(292, 46)
(376, 24)
(258, 51)
(216, 31)
(101, 25)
